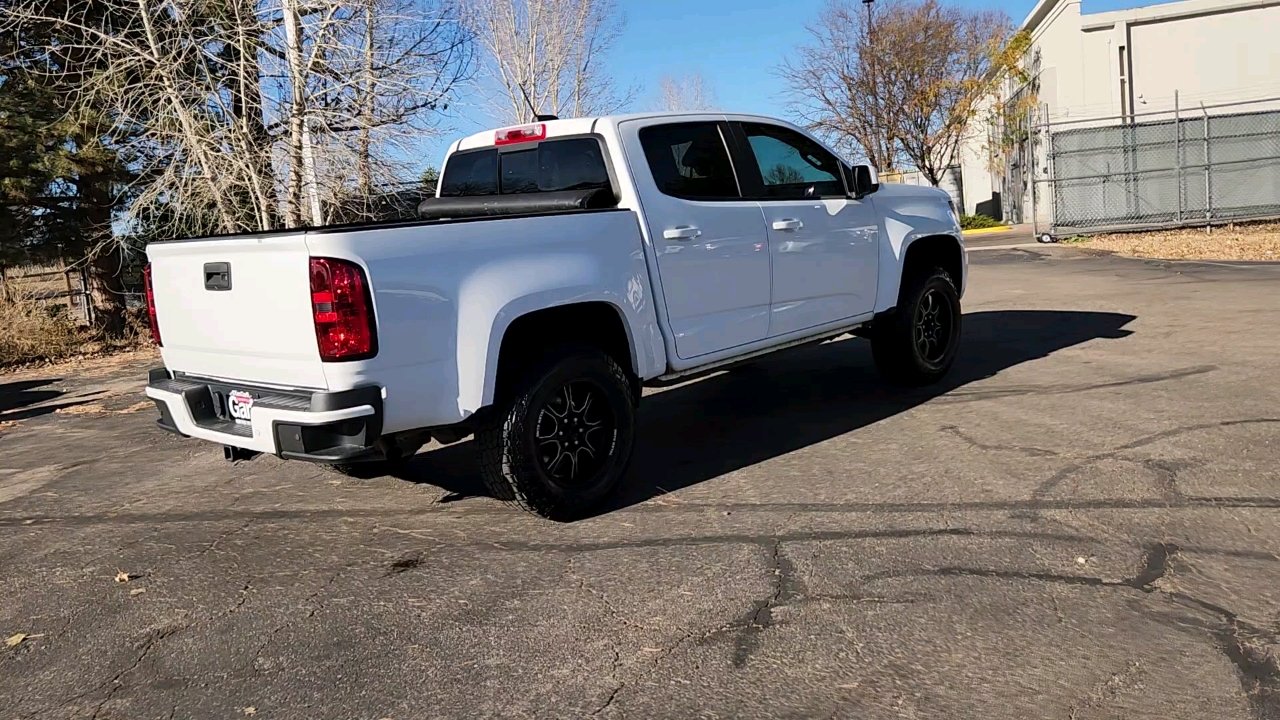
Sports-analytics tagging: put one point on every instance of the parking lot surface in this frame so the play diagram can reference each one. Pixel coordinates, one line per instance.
(1080, 522)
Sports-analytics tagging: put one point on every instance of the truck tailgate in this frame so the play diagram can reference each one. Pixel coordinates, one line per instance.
(259, 329)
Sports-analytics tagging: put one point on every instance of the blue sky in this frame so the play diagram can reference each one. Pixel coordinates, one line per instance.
(734, 44)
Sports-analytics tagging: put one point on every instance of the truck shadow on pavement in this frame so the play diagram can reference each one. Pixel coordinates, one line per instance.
(26, 399)
(697, 431)
(22, 393)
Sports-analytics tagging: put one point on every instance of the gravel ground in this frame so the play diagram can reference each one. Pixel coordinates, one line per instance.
(1080, 522)
(1255, 241)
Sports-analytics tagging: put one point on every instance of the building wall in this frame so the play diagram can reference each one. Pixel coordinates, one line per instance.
(1099, 62)
(1217, 58)
(1057, 39)
(1210, 51)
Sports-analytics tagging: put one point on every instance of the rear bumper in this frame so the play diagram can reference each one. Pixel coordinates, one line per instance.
(325, 427)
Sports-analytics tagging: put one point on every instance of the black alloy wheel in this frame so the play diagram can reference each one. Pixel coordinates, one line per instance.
(933, 324)
(575, 433)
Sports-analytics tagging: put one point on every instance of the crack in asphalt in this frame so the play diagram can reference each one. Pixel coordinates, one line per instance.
(613, 694)
(955, 397)
(604, 600)
(152, 640)
(1027, 450)
(1258, 670)
(1166, 472)
(31, 522)
(1053, 481)
(405, 563)
(214, 545)
(767, 540)
(786, 588)
(1109, 689)
(271, 636)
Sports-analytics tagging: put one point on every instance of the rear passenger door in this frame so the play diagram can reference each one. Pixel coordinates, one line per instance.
(711, 245)
(822, 241)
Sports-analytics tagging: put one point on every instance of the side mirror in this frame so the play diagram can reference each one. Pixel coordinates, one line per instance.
(865, 180)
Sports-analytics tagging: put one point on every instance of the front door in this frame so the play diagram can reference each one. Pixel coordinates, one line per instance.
(822, 241)
(711, 245)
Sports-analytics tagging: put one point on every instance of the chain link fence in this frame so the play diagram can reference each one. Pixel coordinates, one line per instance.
(1183, 167)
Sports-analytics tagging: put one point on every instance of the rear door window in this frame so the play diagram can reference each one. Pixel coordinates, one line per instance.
(690, 160)
(550, 166)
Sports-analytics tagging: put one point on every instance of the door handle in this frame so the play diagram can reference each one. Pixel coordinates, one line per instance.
(681, 232)
(787, 224)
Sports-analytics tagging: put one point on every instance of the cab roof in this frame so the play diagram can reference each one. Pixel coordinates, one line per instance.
(588, 125)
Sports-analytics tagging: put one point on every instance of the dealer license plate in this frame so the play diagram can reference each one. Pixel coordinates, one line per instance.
(239, 403)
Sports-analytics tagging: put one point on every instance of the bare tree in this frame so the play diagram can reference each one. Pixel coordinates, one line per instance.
(685, 94)
(547, 53)
(902, 83)
(833, 89)
(254, 113)
(941, 67)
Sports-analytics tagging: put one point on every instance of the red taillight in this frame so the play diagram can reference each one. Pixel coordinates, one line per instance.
(524, 133)
(151, 304)
(341, 307)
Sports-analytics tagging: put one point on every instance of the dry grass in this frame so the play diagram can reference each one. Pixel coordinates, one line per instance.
(30, 333)
(37, 333)
(1255, 241)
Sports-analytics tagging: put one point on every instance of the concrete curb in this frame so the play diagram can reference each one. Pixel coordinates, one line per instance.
(1011, 246)
(984, 231)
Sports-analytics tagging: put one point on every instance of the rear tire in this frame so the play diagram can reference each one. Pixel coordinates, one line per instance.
(917, 343)
(563, 439)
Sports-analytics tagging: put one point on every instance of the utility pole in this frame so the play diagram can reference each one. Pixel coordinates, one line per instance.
(876, 115)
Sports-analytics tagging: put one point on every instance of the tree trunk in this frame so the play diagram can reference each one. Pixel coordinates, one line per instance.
(364, 171)
(246, 106)
(94, 200)
(302, 164)
(107, 289)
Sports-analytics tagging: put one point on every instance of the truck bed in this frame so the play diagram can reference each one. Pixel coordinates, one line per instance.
(442, 292)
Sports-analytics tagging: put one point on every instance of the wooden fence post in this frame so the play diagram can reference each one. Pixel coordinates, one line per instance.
(86, 296)
(71, 297)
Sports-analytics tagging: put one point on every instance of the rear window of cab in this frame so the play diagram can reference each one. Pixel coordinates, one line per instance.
(549, 166)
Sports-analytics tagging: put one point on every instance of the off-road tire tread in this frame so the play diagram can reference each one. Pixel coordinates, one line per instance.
(504, 470)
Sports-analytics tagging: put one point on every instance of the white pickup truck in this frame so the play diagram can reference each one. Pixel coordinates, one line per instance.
(561, 267)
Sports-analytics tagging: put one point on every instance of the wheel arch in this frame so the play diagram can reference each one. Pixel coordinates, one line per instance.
(526, 337)
(931, 251)
(900, 260)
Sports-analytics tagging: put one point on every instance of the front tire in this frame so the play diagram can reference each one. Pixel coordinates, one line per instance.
(563, 440)
(917, 344)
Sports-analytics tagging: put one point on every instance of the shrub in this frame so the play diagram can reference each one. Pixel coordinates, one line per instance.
(977, 222)
(32, 332)
(35, 332)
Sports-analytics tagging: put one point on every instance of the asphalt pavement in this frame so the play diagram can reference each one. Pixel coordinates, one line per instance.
(1080, 522)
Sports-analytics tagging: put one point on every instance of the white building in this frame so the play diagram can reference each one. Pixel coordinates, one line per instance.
(1126, 63)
